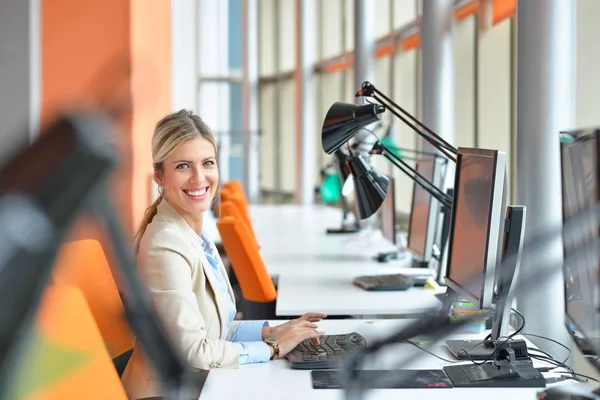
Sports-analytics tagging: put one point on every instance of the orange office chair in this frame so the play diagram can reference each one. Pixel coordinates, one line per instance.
(82, 264)
(247, 263)
(237, 188)
(231, 209)
(66, 357)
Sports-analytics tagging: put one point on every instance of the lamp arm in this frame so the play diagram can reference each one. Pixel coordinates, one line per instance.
(419, 152)
(368, 89)
(415, 176)
(443, 148)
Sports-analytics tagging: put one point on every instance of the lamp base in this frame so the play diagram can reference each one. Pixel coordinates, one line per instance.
(419, 263)
(341, 230)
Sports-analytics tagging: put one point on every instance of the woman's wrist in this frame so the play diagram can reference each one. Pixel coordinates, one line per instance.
(272, 352)
(267, 332)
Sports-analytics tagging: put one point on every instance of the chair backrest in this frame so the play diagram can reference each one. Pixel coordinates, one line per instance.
(230, 209)
(246, 261)
(237, 187)
(83, 264)
(240, 203)
(65, 357)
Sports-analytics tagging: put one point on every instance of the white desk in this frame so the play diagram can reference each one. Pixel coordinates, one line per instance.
(295, 232)
(331, 291)
(275, 380)
(315, 270)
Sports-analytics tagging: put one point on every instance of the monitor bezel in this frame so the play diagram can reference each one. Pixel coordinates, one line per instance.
(586, 344)
(391, 198)
(495, 232)
(433, 211)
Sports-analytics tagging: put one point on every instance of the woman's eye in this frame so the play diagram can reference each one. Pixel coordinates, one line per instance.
(209, 163)
(182, 166)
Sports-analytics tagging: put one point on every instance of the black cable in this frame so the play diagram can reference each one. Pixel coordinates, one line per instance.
(431, 353)
(545, 353)
(560, 364)
(490, 357)
(584, 376)
(550, 360)
(520, 329)
(551, 340)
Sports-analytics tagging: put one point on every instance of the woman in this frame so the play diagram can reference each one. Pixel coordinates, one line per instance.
(183, 271)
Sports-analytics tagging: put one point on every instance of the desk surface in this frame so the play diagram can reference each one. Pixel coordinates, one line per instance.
(315, 270)
(274, 380)
(331, 291)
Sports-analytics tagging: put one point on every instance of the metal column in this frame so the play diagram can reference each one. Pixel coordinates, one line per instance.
(438, 69)
(250, 98)
(545, 105)
(305, 135)
(19, 80)
(364, 44)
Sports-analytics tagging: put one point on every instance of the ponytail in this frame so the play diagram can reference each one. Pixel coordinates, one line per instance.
(148, 217)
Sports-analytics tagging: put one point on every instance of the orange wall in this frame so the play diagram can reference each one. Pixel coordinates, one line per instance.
(151, 74)
(95, 49)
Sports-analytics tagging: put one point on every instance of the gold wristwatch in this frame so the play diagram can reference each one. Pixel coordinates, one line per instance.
(275, 345)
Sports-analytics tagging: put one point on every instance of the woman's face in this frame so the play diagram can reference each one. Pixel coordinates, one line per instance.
(190, 177)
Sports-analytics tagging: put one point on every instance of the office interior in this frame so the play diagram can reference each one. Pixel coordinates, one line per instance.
(508, 85)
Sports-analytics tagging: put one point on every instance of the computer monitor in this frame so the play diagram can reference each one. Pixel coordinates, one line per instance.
(486, 240)
(581, 192)
(477, 222)
(425, 211)
(387, 213)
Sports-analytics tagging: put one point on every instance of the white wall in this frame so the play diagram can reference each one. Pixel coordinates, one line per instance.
(464, 35)
(588, 59)
(183, 55)
(494, 127)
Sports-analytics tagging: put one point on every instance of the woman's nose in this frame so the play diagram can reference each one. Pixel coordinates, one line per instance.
(197, 175)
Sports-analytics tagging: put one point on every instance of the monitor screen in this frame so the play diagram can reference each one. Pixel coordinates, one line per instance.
(580, 192)
(477, 224)
(387, 213)
(424, 211)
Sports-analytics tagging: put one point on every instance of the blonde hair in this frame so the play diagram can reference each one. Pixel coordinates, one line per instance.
(169, 133)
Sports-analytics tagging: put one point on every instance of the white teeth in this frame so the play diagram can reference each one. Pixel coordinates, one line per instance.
(197, 193)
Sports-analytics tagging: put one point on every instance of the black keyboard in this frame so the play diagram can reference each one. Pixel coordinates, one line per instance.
(384, 282)
(326, 354)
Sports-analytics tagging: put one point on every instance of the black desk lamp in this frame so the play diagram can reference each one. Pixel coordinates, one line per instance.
(344, 120)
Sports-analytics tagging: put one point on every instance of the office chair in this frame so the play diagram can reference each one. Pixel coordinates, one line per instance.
(258, 289)
(229, 208)
(66, 357)
(82, 264)
(237, 187)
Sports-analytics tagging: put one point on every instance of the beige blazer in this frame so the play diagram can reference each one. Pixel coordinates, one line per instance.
(186, 296)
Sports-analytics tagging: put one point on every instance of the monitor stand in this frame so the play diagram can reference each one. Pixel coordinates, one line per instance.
(514, 228)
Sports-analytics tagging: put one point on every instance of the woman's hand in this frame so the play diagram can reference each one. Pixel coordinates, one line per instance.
(276, 331)
(296, 333)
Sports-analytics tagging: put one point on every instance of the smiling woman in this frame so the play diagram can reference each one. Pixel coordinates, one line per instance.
(183, 271)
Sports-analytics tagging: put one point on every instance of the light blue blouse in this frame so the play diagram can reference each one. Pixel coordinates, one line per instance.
(247, 335)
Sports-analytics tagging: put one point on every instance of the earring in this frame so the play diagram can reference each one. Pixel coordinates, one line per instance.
(161, 190)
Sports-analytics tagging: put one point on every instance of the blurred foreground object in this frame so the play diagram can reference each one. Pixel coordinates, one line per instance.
(43, 190)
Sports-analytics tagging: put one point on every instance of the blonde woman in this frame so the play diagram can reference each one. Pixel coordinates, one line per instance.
(182, 269)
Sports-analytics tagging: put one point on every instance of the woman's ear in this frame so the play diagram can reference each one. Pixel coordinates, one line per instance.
(157, 177)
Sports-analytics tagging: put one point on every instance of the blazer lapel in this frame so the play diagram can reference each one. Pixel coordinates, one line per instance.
(165, 209)
(223, 271)
(212, 280)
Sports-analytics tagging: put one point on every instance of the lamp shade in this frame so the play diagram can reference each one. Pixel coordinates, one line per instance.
(370, 186)
(343, 120)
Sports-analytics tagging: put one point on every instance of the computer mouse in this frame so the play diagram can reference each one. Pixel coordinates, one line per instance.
(383, 257)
